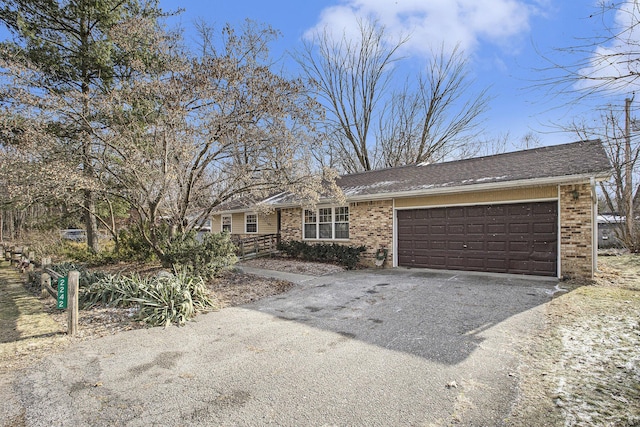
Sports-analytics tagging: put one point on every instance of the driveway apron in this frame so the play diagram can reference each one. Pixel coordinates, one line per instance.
(363, 348)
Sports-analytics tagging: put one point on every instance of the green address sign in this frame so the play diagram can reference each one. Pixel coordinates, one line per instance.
(63, 289)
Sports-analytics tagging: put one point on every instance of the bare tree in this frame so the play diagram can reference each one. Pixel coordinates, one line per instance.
(440, 117)
(61, 55)
(605, 63)
(622, 192)
(177, 133)
(207, 127)
(351, 77)
(370, 123)
(602, 66)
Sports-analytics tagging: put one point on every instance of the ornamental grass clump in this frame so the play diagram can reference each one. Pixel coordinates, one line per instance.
(161, 300)
(111, 291)
(86, 278)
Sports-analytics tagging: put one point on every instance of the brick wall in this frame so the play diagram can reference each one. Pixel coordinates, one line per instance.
(371, 225)
(291, 224)
(576, 228)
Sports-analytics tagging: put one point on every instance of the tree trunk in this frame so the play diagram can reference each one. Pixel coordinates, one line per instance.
(628, 181)
(90, 221)
(87, 157)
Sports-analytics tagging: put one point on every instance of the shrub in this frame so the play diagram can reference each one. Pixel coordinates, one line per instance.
(132, 246)
(348, 256)
(162, 300)
(114, 291)
(80, 252)
(205, 258)
(86, 277)
(172, 299)
(44, 243)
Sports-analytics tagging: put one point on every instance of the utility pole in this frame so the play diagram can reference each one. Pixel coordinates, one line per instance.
(628, 178)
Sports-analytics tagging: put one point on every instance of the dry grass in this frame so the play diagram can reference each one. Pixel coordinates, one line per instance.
(584, 369)
(27, 332)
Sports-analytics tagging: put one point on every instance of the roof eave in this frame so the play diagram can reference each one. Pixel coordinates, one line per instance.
(563, 180)
(555, 180)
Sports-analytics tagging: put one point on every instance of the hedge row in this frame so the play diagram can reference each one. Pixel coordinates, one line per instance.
(348, 256)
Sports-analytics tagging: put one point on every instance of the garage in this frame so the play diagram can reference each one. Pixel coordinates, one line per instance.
(519, 238)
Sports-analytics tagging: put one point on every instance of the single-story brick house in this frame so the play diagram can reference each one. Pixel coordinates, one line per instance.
(526, 212)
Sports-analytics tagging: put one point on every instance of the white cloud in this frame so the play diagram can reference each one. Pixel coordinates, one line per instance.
(615, 66)
(430, 23)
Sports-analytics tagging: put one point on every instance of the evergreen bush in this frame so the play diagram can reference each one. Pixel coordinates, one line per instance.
(206, 257)
(347, 256)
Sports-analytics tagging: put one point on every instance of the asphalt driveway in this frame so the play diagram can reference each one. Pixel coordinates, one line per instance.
(391, 347)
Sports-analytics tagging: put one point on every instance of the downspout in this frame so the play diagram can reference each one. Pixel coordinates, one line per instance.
(394, 241)
(594, 222)
(559, 225)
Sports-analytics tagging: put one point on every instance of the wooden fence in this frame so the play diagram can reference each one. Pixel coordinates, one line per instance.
(19, 256)
(253, 247)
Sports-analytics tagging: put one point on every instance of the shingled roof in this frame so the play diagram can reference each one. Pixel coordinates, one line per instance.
(554, 164)
(557, 163)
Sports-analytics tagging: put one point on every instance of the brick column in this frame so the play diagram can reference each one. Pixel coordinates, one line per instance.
(291, 224)
(371, 225)
(576, 228)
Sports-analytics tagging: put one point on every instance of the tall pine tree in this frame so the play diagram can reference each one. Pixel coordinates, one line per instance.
(64, 50)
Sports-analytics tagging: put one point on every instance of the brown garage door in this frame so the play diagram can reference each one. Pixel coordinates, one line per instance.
(516, 238)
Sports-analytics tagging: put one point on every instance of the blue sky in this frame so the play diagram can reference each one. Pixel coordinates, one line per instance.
(504, 39)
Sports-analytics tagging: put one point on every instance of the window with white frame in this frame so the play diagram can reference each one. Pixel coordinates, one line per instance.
(251, 223)
(326, 223)
(226, 223)
(341, 222)
(310, 224)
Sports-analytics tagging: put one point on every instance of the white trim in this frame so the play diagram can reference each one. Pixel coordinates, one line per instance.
(333, 223)
(245, 223)
(501, 202)
(506, 185)
(230, 216)
(394, 244)
(425, 192)
(559, 234)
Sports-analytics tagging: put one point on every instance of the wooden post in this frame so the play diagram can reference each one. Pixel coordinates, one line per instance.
(72, 303)
(46, 262)
(45, 280)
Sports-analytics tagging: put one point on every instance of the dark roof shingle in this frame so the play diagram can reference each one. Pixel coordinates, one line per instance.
(584, 158)
(556, 163)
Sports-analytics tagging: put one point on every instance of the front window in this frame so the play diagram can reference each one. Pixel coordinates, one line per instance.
(310, 224)
(325, 226)
(327, 223)
(251, 223)
(341, 222)
(226, 224)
